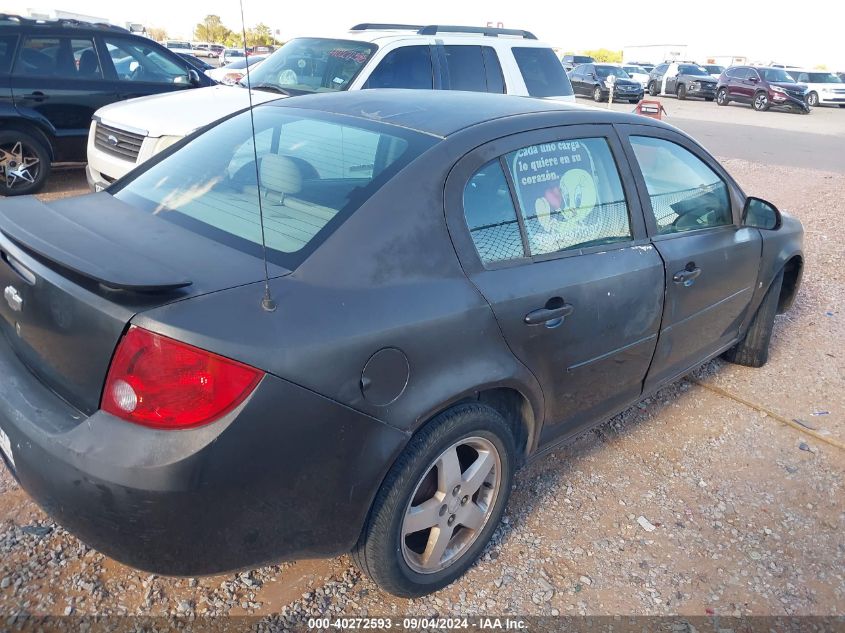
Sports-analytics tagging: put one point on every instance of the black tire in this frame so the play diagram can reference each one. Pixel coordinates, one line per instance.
(29, 180)
(379, 551)
(842, 105)
(681, 92)
(597, 95)
(722, 97)
(652, 88)
(753, 349)
(813, 99)
(760, 101)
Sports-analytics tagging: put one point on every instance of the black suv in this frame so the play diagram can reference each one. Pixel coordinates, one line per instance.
(55, 74)
(684, 79)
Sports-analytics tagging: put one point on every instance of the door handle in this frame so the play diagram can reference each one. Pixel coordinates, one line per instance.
(555, 310)
(37, 96)
(687, 276)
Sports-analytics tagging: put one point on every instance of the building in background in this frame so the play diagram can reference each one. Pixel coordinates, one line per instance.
(55, 14)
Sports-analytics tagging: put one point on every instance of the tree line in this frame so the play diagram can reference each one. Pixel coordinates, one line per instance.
(212, 29)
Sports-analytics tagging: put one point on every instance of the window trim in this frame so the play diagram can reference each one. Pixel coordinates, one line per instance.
(735, 193)
(470, 163)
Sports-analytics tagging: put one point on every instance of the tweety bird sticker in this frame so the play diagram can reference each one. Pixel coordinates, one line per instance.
(572, 200)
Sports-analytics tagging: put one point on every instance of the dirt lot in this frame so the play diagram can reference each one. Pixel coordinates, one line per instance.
(741, 514)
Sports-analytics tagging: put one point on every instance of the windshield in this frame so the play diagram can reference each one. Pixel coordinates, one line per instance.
(714, 70)
(185, 45)
(692, 69)
(542, 71)
(821, 78)
(775, 74)
(314, 171)
(634, 69)
(308, 65)
(606, 71)
(582, 59)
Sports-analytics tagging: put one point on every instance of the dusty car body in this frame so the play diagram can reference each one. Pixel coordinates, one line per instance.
(473, 275)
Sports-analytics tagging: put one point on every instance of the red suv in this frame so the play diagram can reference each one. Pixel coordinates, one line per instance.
(763, 87)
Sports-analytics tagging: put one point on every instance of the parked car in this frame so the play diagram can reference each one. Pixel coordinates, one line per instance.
(55, 74)
(762, 87)
(594, 80)
(370, 56)
(261, 50)
(179, 46)
(196, 62)
(551, 266)
(203, 49)
(647, 66)
(571, 61)
(232, 73)
(714, 70)
(825, 88)
(231, 54)
(683, 80)
(636, 73)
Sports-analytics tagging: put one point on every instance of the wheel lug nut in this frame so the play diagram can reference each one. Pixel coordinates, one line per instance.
(451, 520)
(443, 509)
(456, 490)
(465, 500)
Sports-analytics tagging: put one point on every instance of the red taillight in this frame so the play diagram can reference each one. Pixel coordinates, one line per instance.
(158, 382)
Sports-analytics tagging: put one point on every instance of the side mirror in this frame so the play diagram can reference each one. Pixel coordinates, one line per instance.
(759, 214)
(754, 79)
(193, 77)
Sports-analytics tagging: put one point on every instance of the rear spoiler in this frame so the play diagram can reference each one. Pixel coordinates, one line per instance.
(89, 242)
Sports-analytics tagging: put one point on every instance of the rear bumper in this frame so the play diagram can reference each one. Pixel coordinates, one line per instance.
(288, 475)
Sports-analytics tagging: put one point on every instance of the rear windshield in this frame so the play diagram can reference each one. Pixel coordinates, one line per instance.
(542, 71)
(314, 170)
(312, 64)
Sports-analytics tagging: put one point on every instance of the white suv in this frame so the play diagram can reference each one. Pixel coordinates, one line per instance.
(825, 87)
(126, 134)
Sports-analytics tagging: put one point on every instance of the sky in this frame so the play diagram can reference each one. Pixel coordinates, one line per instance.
(775, 31)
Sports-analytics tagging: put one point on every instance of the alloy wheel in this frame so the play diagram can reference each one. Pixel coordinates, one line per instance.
(597, 94)
(761, 101)
(19, 164)
(812, 100)
(451, 504)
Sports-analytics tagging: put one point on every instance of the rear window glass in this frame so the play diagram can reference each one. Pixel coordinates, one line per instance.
(542, 71)
(314, 171)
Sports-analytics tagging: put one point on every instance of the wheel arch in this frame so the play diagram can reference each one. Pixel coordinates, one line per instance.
(29, 126)
(793, 270)
(522, 412)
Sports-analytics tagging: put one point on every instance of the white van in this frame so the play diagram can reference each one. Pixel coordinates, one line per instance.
(368, 56)
(825, 87)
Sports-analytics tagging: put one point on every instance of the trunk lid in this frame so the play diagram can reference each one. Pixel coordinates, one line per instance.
(73, 274)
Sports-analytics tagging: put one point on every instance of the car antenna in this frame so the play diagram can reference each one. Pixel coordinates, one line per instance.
(267, 302)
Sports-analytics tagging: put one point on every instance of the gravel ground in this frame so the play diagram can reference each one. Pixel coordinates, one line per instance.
(689, 503)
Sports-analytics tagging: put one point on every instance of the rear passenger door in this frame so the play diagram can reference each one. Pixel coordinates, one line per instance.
(405, 67)
(472, 68)
(693, 217)
(551, 233)
(62, 79)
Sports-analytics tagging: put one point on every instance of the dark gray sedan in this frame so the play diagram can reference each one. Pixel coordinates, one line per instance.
(456, 282)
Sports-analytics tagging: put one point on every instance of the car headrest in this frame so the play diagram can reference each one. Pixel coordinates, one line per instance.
(280, 174)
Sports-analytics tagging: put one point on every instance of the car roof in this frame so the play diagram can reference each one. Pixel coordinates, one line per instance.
(442, 113)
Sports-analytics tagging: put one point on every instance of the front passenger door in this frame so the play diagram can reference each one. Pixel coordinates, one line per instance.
(551, 233)
(692, 213)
